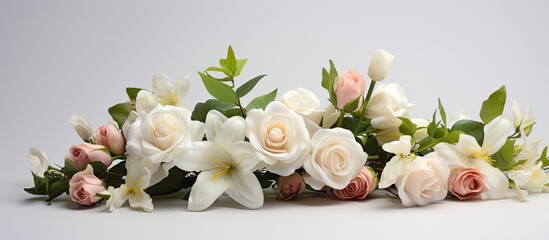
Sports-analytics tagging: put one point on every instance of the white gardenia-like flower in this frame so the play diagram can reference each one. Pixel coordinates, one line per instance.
(303, 102)
(424, 182)
(386, 105)
(39, 161)
(226, 163)
(163, 131)
(137, 180)
(379, 65)
(336, 159)
(527, 178)
(279, 137)
(468, 153)
(82, 127)
(399, 164)
(163, 93)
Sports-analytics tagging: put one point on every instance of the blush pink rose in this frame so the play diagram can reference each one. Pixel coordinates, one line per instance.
(348, 87)
(290, 186)
(84, 186)
(467, 183)
(359, 188)
(109, 136)
(80, 155)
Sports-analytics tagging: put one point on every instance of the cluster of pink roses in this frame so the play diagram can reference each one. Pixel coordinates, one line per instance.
(107, 141)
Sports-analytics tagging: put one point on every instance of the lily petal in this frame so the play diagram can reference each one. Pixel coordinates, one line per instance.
(451, 154)
(496, 182)
(231, 131)
(197, 131)
(200, 156)
(141, 199)
(468, 145)
(182, 86)
(246, 190)
(495, 134)
(206, 190)
(162, 86)
(243, 155)
(214, 120)
(402, 147)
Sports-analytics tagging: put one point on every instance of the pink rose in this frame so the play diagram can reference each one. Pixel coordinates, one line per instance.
(109, 136)
(290, 186)
(363, 184)
(467, 183)
(80, 155)
(348, 87)
(84, 186)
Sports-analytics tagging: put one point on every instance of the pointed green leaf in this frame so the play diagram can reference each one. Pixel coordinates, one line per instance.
(231, 60)
(333, 71)
(543, 158)
(200, 112)
(176, 180)
(442, 113)
(432, 127)
(262, 101)
(240, 63)
(218, 69)
(504, 158)
(470, 127)
(494, 105)
(452, 137)
(132, 93)
(325, 79)
(248, 86)
(99, 169)
(120, 113)
(407, 127)
(219, 105)
(58, 188)
(40, 186)
(218, 89)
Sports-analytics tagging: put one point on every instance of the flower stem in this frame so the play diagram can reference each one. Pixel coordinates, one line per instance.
(340, 119)
(370, 91)
(364, 105)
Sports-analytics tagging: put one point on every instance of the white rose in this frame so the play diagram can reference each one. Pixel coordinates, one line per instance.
(426, 181)
(163, 131)
(336, 158)
(379, 66)
(82, 127)
(279, 136)
(303, 102)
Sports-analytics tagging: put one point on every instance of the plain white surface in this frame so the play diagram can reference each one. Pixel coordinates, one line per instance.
(75, 57)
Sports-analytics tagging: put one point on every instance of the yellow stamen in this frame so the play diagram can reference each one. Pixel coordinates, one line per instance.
(225, 168)
(172, 100)
(481, 155)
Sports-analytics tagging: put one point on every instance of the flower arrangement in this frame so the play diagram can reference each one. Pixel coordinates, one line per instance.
(364, 140)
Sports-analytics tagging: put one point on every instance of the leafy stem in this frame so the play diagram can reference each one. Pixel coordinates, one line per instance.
(365, 105)
(340, 119)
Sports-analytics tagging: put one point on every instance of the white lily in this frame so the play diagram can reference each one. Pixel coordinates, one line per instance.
(39, 161)
(226, 163)
(137, 180)
(529, 151)
(468, 153)
(522, 123)
(399, 163)
(163, 93)
(529, 178)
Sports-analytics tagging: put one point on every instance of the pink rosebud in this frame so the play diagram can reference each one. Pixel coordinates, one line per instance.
(359, 188)
(348, 87)
(467, 183)
(109, 136)
(290, 186)
(84, 186)
(80, 155)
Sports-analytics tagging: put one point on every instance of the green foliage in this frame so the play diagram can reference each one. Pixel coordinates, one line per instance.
(176, 180)
(200, 112)
(328, 79)
(120, 113)
(470, 127)
(132, 93)
(262, 101)
(248, 86)
(442, 113)
(407, 127)
(504, 158)
(543, 158)
(218, 89)
(494, 105)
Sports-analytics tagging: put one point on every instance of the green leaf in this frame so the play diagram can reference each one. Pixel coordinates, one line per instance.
(218, 89)
(452, 137)
(40, 186)
(333, 71)
(494, 105)
(219, 105)
(176, 180)
(69, 169)
(352, 106)
(371, 147)
(504, 158)
(262, 101)
(248, 86)
(442, 113)
(432, 127)
(120, 113)
(119, 168)
(218, 69)
(99, 169)
(470, 127)
(326, 79)
(230, 61)
(58, 188)
(240, 63)
(132, 93)
(350, 123)
(407, 127)
(232, 112)
(200, 112)
(441, 132)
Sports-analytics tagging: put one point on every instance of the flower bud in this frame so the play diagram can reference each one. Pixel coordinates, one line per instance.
(379, 66)
(82, 127)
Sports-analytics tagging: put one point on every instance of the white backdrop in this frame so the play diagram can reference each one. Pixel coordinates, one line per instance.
(59, 58)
